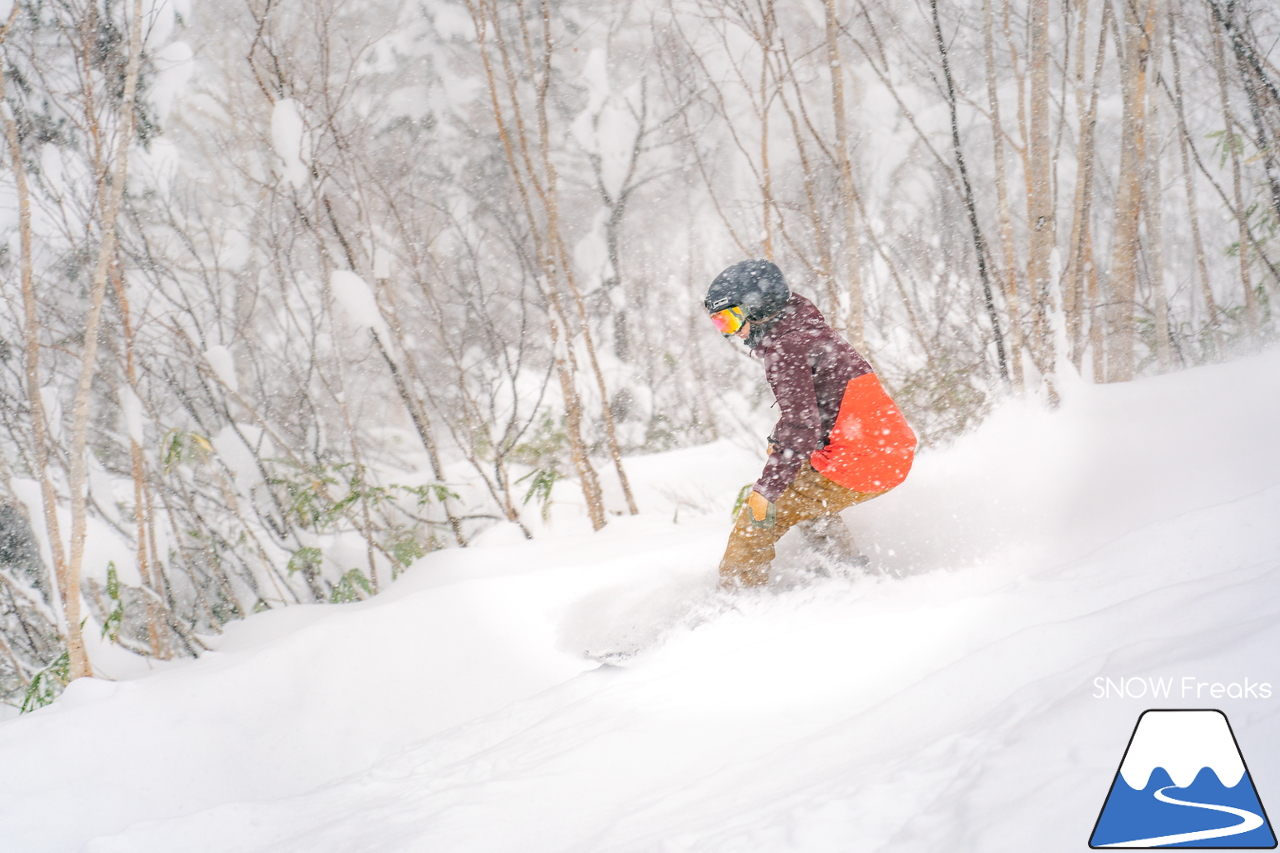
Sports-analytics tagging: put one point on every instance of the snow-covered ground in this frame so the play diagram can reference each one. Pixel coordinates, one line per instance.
(947, 703)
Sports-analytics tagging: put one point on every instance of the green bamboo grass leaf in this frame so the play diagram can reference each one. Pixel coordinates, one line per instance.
(111, 627)
(47, 684)
(304, 558)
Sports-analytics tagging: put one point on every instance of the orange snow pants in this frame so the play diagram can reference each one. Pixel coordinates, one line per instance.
(810, 496)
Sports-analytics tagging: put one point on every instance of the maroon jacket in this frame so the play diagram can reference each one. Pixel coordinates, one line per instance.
(808, 367)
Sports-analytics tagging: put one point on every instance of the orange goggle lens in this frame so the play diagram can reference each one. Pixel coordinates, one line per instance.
(728, 321)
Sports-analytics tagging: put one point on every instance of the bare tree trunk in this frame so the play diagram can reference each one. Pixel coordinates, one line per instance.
(31, 342)
(1188, 182)
(565, 370)
(1010, 277)
(1242, 226)
(1081, 266)
(848, 206)
(979, 246)
(1020, 77)
(155, 626)
(824, 268)
(1097, 316)
(76, 475)
(1122, 284)
(616, 203)
(1071, 295)
(766, 98)
(1153, 201)
(606, 408)
(1254, 81)
(1040, 217)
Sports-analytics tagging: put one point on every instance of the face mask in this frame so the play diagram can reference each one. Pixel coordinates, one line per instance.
(760, 328)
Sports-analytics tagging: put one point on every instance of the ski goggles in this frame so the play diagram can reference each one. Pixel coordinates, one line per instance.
(728, 321)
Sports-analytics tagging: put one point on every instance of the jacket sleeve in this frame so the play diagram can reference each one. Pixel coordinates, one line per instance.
(799, 429)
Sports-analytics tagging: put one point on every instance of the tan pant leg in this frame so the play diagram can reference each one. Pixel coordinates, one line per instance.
(750, 550)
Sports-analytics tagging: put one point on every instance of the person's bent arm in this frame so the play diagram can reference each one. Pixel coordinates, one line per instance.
(799, 428)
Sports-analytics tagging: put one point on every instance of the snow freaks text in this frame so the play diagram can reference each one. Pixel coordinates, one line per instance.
(1186, 687)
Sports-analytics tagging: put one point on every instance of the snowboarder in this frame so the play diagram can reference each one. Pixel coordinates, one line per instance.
(839, 439)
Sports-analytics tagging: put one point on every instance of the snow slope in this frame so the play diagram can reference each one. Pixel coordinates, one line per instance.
(947, 704)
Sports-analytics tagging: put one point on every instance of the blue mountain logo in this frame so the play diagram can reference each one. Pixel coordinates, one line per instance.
(1183, 783)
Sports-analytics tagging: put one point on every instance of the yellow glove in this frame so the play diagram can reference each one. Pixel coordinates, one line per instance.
(759, 506)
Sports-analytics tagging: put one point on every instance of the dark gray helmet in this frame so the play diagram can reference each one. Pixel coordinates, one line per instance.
(755, 286)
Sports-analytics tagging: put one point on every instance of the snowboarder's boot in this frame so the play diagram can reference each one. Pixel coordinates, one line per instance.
(829, 538)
